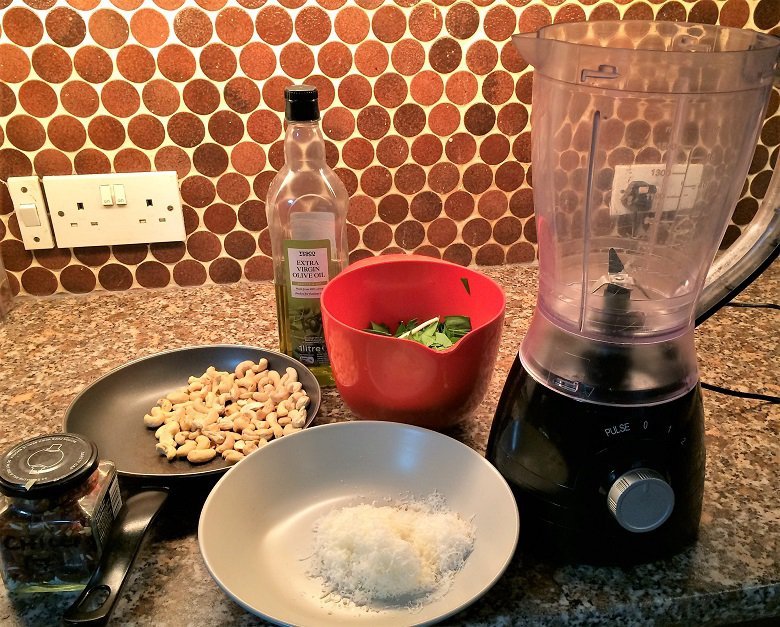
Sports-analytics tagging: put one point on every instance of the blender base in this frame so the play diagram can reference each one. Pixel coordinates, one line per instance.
(561, 457)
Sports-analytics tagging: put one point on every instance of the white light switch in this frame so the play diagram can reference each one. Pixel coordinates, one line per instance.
(105, 196)
(119, 194)
(31, 215)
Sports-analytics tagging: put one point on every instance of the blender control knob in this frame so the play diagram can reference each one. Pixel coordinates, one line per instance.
(640, 500)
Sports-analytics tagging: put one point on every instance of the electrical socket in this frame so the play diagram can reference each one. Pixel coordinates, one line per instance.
(122, 208)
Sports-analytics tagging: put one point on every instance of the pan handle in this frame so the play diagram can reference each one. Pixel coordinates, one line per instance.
(110, 576)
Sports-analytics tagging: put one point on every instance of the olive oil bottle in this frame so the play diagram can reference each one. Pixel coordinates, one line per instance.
(307, 211)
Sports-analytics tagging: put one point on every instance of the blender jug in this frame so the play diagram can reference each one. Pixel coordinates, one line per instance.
(642, 134)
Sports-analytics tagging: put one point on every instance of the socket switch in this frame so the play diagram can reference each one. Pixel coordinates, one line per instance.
(30, 207)
(103, 209)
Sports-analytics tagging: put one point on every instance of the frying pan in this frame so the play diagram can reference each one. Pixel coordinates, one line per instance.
(110, 412)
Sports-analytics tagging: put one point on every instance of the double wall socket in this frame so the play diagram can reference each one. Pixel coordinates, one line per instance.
(101, 209)
(98, 209)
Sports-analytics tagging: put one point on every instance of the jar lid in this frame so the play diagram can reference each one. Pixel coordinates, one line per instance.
(43, 466)
(301, 104)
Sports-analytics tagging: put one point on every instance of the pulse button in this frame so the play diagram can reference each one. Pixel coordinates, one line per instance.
(641, 500)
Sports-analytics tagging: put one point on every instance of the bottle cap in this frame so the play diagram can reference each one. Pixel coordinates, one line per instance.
(300, 103)
(43, 466)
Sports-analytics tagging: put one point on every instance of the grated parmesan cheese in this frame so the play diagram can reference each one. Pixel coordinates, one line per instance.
(387, 553)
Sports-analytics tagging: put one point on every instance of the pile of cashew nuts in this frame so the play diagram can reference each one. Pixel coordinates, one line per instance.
(228, 413)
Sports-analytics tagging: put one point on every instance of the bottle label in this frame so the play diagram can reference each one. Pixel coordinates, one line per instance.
(307, 267)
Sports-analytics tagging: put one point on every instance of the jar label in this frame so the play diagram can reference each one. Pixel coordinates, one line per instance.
(109, 504)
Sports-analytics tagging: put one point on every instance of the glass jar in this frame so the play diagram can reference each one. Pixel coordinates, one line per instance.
(59, 503)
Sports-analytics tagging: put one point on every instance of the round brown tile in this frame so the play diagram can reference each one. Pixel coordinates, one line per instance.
(15, 66)
(152, 274)
(358, 153)
(359, 254)
(115, 277)
(445, 55)
(234, 26)
(120, 98)
(25, 132)
(242, 95)
(522, 252)
(15, 256)
(409, 120)
(218, 62)
(149, 27)
(425, 21)
(482, 57)
(8, 99)
(390, 90)
(201, 96)
(176, 63)
(219, 218)
(233, 188)
(247, 158)
(91, 161)
(127, 5)
(533, 18)
(210, 159)
(770, 133)
(392, 151)
(361, 210)
(161, 97)
(172, 158)
(257, 60)
(638, 11)
(276, 155)
(731, 236)
(197, 191)
(259, 268)
(296, 60)
(377, 236)
(373, 122)
(136, 63)
(604, 12)
(409, 178)
(353, 237)
(78, 279)
(461, 88)
(443, 177)
(511, 59)
(39, 281)
(51, 63)
(130, 254)
(240, 245)
(325, 90)
(192, 27)
(409, 235)
(189, 273)
(376, 181)
(461, 148)
(191, 219)
(51, 162)
(498, 87)
(499, 23)
(426, 149)
(23, 27)
(444, 119)
(274, 25)
(264, 126)
(226, 128)
(338, 123)
(251, 215)
(67, 133)
(354, 91)
(351, 25)
(458, 253)
(426, 206)
(224, 271)
(494, 149)
(168, 252)
(273, 92)
(476, 232)
(492, 204)
(477, 178)
(65, 27)
(388, 24)
(529, 229)
(745, 211)
(462, 20)
(108, 28)
(186, 129)
(735, 13)
(334, 59)
(371, 58)
(524, 87)
(442, 232)
(509, 176)
(312, 25)
(489, 255)
(131, 160)
(393, 209)
(408, 57)
(14, 163)
(204, 246)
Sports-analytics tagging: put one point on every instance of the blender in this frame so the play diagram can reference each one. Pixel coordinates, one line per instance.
(642, 135)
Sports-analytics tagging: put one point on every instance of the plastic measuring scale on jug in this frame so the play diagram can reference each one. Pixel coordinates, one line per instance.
(642, 133)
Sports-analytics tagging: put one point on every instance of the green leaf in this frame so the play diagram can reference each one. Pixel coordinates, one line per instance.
(434, 334)
(457, 326)
(379, 329)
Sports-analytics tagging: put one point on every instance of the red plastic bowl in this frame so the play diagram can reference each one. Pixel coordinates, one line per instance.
(384, 378)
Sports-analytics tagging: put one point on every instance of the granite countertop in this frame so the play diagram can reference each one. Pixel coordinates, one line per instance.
(52, 348)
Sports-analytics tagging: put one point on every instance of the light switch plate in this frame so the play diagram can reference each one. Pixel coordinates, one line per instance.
(84, 209)
(30, 208)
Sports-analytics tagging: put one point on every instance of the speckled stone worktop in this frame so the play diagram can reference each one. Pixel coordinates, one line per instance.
(52, 348)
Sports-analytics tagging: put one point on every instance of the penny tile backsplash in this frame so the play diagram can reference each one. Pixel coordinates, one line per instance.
(425, 111)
